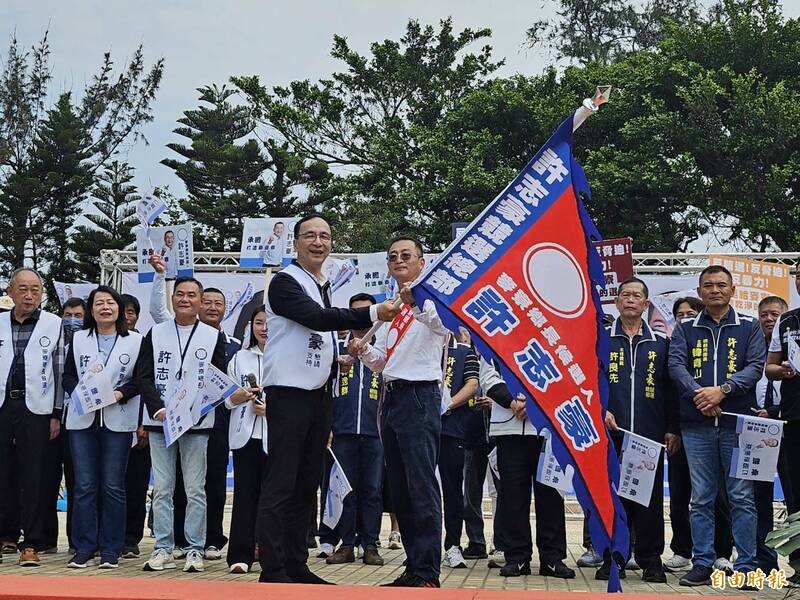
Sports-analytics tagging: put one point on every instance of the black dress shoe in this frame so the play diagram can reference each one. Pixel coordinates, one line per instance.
(279, 577)
(513, 569)
(557, 569)
(306, 576)
(399, 582)
(604, 572)
(654, 575)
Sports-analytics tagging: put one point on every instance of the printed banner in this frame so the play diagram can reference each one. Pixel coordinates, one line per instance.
(640, 458)
(756, 456)
(793, 356)
(267, 242)
(149, 208)
(174, 243)
(65, 291)
(217, 387)
(373, 275)
(522, 279)
(493, 462)
(178, 419)
(94, 390)
(339, 271)
(549, 472)
(338, 488)
(617, 257)
(754, 280)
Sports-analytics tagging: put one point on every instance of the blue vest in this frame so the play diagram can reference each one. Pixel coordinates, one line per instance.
(222, 416)
(455, 422)
(355, 411)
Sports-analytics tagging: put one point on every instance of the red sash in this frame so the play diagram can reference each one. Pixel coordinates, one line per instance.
(397, 329)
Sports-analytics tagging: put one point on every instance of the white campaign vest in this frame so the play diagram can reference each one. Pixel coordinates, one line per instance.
(167, 364)
(120, 366)
(244, 422)
(38, 357)
(298, 357)
(503, 421)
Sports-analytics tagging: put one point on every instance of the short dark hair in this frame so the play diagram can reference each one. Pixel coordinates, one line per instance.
(308, 217)
(630, 280)
(88, 320)
(253, 340)
(407, 238)
(181, 280)
(361, 297)
(213, 290)
(695, 303)
(168, 231)
(711, 269)
(74, 303)
(131, 300)
(773, 300)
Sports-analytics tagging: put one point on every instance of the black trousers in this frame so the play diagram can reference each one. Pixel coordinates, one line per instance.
(299, 423)
(517, 459)
(249, 463)
(680, 494)
(28, 434)
(476, 460)
(791, 446)
(11, 529)
(59, 463)
(137, 482)
(451, 472)
(216, 492)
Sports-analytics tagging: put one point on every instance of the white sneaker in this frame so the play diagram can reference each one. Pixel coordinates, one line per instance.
(723, 564)
(590, 558)
(394, 541)
(497, 559)
(178, 553)
(454, 559)
(632, 565)
(160, 559)
(239, 568)
(213, 553)
(194, 562)
(676, 563)
(325, 550)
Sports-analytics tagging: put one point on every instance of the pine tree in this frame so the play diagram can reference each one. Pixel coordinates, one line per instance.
(60, 165)
(112, 213)
(219, 175)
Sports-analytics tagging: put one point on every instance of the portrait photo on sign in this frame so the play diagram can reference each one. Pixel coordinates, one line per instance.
(174, 243)
(267, 242)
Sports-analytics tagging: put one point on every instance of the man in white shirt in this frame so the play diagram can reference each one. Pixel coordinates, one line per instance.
(409, 352)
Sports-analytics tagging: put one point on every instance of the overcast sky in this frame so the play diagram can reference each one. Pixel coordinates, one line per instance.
(207, 41)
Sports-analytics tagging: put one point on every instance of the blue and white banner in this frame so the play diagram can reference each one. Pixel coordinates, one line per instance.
(174, 243)
(94, 390)
(149, 208)
(549, 472)
(217, 387)
(338, 488)
(640, 459)
(178, 418)
(756, 456)
(267, 242)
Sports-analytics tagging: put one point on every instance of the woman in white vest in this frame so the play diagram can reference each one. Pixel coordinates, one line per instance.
(101, 380)
(248, 440)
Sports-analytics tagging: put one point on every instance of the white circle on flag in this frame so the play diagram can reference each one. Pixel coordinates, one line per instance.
(773, 429)
(183, 234)
(555, 279)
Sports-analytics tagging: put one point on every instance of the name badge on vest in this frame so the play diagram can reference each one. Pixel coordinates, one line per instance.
(398, 329)
(45, 343)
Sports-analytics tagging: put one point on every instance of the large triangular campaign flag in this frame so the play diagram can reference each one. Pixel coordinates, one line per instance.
(523, 279)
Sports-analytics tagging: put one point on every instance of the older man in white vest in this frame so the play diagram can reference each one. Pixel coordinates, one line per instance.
(31, 357)
(300, 376)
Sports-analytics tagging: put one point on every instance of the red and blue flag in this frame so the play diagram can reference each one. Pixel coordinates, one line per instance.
(523, 279)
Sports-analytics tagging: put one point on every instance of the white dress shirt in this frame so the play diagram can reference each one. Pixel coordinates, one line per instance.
(418, 355)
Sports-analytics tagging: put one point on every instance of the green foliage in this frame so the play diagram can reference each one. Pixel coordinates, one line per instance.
(112, 214)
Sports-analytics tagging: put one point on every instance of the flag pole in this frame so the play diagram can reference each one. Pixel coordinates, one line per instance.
(591, 105)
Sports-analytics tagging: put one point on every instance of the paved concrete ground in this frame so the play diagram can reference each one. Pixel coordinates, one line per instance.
(477, 575)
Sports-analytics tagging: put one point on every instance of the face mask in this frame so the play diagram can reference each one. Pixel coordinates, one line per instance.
(72, 323)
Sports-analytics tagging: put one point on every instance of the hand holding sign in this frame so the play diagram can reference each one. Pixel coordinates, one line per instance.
(158, 264)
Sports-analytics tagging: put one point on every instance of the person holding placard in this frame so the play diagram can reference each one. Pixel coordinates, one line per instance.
(782, 348)
(30, 405)
(715, 360)
(247, 436)
(101, 377)
(176, 356)
(642, 400)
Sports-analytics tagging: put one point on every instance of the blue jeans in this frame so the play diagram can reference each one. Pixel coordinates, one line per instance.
(361, 457)
(709, 451)
(100, 458)
(411, 426)
(193, 465)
